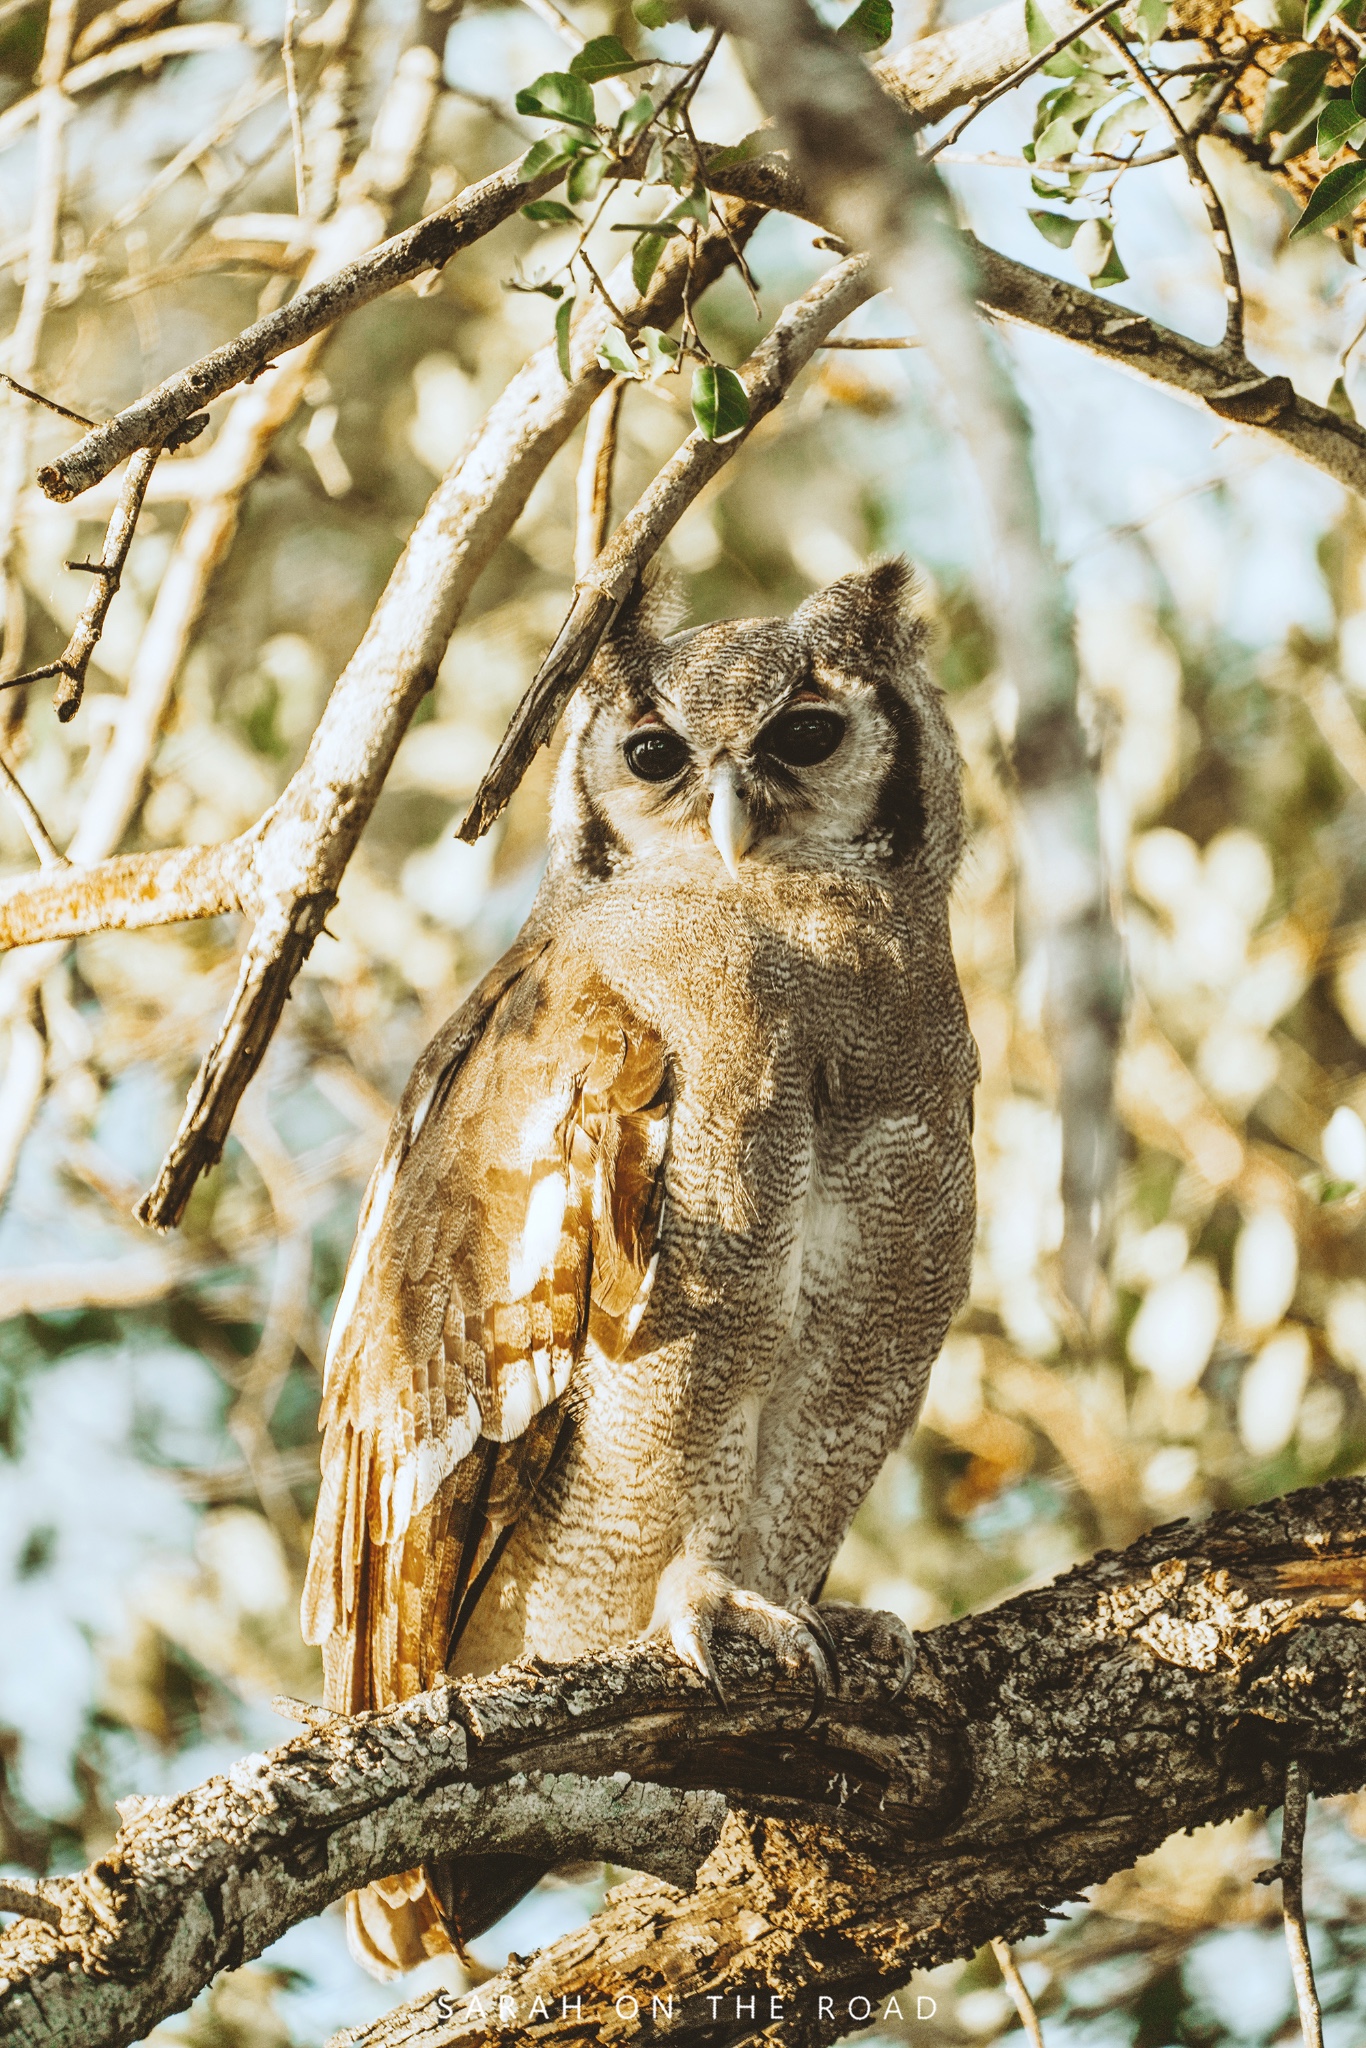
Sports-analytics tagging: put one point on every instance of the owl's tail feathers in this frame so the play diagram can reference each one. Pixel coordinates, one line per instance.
(398, 1922)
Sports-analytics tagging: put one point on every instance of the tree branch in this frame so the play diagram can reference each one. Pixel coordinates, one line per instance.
(1036, 1749)
(784, 351)
(300, 850)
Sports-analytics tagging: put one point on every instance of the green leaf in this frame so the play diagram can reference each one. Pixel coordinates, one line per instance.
(695, 206)
(586, 174)
(637, 116)
(605, 57)
(1038, 28)
(1131, 117)
(563, 314)
(661, 350)
(719, 402)
(1152, 19)
(868, 27)
(1058, 140)
(1094, 248)
(1316, 14)
(1340, 127)
(1054, 227)
(644, 256)
(615, 353)
(1340, 403)
(543, 291)
(654, 163)
(1359, 92)
(550, 212)
(756, 143)
(559, 96)
(1338, 194)
(1292, 93)
(551, 153)
(656, 13)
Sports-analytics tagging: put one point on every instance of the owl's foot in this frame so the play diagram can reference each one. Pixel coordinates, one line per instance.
(695, 1600)
(874, 1633)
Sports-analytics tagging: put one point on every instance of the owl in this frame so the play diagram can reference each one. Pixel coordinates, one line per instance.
(675, 1210)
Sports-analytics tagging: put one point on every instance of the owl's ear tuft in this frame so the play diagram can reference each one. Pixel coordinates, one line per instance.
(869, 612)
(656, 605)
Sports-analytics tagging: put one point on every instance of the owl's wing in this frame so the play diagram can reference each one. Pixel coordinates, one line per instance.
(517, 1201)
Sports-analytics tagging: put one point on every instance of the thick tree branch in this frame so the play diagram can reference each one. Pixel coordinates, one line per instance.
(1036, 1749)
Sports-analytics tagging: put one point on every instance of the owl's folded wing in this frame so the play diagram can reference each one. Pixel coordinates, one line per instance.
(518, 1198)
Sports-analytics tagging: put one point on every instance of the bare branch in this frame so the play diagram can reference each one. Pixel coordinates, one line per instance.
(186, 40)
(1292, 1898)
(74, 660)
(896, 1832)
(1199, 177)
(300, 850)
(598, 595)
(1018, 1989)
(40, 838)
(593, 483)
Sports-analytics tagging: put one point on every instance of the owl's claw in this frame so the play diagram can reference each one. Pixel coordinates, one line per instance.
(695, 1600)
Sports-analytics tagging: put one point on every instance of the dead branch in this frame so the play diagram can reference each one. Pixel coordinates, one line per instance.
(593, 481)
(74, 660)
(598, 595)
(1293, 1817)
(1036, 1749)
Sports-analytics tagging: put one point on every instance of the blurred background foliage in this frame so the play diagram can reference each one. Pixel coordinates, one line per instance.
(158, 1399)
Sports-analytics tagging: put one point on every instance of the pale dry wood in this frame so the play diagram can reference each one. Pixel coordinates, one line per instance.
(593, 479)
(601, 591)
(1035, 1749)
(1018, 1989)
(1293, 1817)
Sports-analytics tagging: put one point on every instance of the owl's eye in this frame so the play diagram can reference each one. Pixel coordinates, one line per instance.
(655, 754)
(801, 738)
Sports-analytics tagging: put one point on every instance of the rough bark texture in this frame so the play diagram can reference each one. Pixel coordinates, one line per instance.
(1036, 1749)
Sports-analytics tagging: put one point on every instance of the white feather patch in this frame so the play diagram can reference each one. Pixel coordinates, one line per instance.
(381, 1189)
(642, 1300)
(521, 1400)
(534, 1256)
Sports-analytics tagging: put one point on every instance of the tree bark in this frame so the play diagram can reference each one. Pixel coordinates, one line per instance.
(1035, 1750)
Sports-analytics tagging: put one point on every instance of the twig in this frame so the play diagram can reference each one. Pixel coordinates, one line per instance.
(48, 404)
(1018, 1989)
(73, 662)
(24, 343)
(874, 341)
(43, 844)
(600, 592)
(1214, 205)
(997, 160)
(296, 125)
(1018, 76)
(593, 482)
(1292, 1901)
(428, 245)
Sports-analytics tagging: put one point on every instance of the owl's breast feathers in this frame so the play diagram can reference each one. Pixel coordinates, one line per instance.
(515, 1206)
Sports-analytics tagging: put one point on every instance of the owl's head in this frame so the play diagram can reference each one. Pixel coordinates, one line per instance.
(814, 742)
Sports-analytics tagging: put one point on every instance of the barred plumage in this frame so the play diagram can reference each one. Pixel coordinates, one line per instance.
(676, 1210)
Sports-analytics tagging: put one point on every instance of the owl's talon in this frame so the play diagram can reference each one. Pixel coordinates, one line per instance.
(815, 1621)
(694, 1601)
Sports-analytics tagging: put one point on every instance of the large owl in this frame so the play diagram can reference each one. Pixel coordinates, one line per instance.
(676, 1209)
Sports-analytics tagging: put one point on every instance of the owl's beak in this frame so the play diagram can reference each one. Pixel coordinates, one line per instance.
(728, 821)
